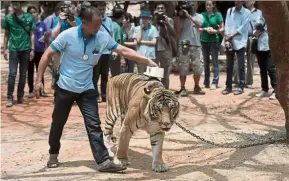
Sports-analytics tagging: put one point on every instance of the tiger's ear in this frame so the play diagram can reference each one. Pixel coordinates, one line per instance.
(147, 91)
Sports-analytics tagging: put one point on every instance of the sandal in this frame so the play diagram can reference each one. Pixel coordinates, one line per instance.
(53, 161)
(52, 165)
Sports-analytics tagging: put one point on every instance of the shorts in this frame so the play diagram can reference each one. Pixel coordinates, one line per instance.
(193, 57)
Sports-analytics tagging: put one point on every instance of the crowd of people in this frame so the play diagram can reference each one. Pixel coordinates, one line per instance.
(193, 38)
(81, 43)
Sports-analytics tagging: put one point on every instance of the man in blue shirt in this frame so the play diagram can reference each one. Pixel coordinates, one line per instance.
(236, 36)
(102, 68)
(80, 49)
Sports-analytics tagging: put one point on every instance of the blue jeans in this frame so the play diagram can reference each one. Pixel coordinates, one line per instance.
(88, 106)
(15, 58)
(211, 48)
(241, 67)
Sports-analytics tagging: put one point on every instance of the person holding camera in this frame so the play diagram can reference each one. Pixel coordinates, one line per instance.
(235, 41)
(65, 20)
(264, 58)
(213, 25)
(190, 51)
(61, 20)
(165, 25)
(19, 33)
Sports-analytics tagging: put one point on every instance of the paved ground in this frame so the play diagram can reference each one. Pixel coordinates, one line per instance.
(234, 119)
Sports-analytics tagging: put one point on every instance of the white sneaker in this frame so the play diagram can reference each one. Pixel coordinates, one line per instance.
(262, 94)
(31, 95)
(213, 87)
(273, 96)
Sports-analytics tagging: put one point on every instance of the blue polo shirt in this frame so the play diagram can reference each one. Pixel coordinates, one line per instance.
(76, 72)
(107, 22)
(148, 34)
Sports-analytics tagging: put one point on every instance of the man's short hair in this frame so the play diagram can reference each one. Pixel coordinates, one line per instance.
(160, 3)
(99, 3)
(58, 6)
(88, 13)
(117, 12)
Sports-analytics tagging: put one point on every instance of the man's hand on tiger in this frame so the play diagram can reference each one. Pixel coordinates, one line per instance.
(152, 63)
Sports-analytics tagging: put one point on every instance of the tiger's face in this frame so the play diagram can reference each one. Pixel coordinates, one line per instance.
(162, 109)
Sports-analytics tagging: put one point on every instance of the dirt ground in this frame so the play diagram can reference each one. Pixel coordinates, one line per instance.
(223, 119)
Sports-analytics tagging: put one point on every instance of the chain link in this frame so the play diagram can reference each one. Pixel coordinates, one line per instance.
(227, 145)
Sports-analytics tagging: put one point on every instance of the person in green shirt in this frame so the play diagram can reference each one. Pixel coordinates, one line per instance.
(117, 29)
(19, 32)
(213, 25)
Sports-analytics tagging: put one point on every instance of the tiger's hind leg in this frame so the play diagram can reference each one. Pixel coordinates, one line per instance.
(157, 148)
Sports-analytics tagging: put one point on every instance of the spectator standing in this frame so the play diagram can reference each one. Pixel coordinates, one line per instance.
(235, 41)
(19, 31)
(255, 13)
(128, 27)
(265, 59)
(213, 25)
(117, 29)
(165, 26)
(190, 51)
(145, 36)
(102, 67)
(40, 35)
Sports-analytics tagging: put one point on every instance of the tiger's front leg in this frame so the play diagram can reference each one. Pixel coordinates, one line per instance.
(157, 148)
(122, 150)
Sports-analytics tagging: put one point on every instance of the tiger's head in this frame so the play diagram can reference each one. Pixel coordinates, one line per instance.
(162, 108)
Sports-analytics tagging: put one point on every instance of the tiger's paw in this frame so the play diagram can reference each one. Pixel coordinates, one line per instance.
(160, 167)
(121, 161)
(110, 153)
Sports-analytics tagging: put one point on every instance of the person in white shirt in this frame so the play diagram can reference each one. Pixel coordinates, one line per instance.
(235, 41)
(255, 13)
(264, 58)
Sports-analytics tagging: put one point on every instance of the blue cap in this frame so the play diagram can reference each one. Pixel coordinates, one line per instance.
(146, 13)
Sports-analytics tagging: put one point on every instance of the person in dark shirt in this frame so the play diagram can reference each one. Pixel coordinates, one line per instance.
(41, 35)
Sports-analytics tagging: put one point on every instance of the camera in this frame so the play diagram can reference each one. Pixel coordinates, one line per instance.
(260, 27)
(161, 18)
(65, 8)
(183, 5)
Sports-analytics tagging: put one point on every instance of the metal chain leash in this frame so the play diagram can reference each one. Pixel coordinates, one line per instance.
(227, 145)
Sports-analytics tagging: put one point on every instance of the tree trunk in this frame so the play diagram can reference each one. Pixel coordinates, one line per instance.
(276, 14)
